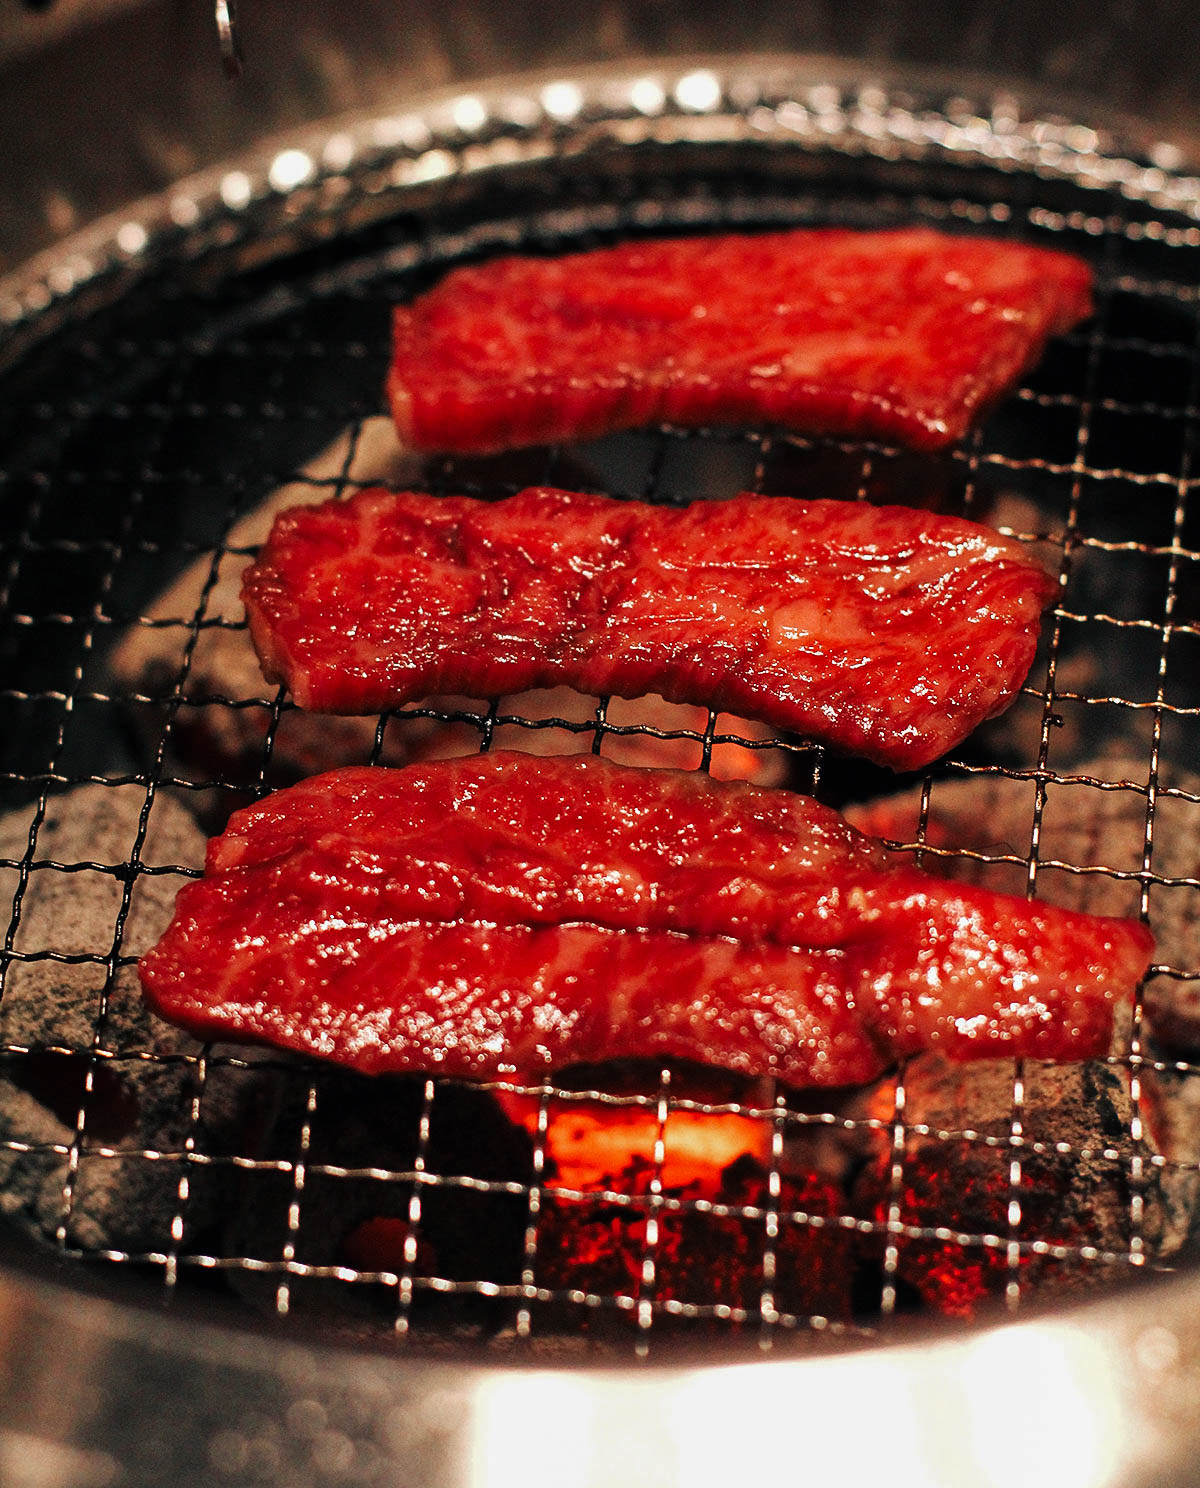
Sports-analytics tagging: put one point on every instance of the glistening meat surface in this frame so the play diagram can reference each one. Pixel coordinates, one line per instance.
(504, 915)
(882, 631)
(904, 335)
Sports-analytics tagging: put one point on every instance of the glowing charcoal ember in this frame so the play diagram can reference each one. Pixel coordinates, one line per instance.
(700, 1257)
(600, 1245)
(503, 915)
(882, 631)
(381, 1244)
(133, 1098)
(591, 1145)
(905, 335)
(734, 755)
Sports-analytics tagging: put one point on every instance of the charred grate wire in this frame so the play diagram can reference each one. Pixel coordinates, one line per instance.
(160, 442)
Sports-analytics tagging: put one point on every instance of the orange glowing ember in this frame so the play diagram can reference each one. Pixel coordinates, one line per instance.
(591, 1147)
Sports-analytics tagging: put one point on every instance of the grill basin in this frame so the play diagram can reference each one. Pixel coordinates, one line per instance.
(169, 372)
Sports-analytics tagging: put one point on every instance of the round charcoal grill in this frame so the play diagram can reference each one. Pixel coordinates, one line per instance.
(164, 374)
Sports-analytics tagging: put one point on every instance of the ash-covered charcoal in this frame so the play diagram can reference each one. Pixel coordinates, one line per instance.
(1071, 1189)
(1171, 1106)
(64, 895)
(67, 1024)
(211, 732)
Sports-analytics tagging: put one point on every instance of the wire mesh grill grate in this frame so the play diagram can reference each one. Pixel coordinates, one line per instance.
(141, 439)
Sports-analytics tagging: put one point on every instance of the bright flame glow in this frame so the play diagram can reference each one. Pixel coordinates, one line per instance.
(591, 1145)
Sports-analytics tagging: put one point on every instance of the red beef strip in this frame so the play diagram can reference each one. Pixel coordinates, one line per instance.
(882, 631)
(502, 915)
(903, 335)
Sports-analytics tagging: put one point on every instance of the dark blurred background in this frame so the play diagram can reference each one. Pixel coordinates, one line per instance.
(103, 101)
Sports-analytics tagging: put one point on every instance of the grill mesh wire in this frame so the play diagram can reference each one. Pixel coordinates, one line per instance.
(136, 451)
